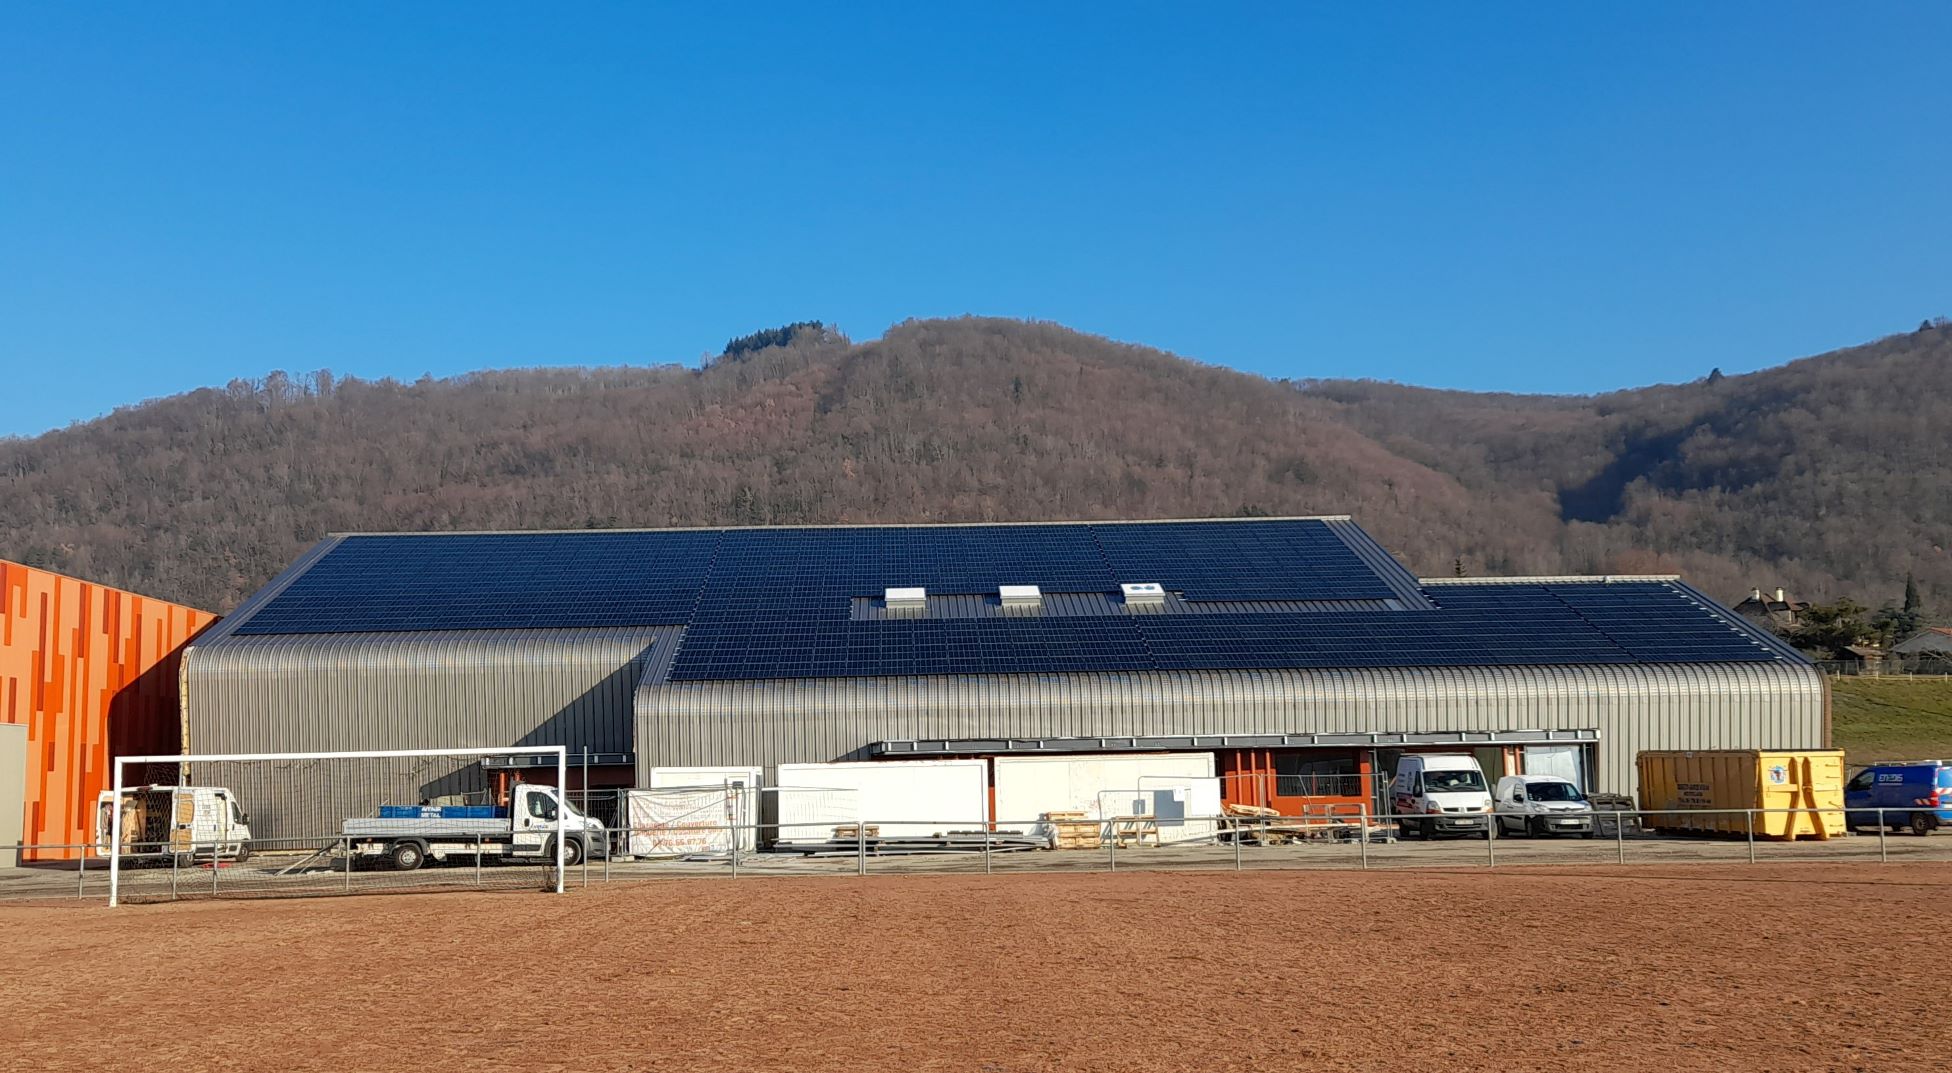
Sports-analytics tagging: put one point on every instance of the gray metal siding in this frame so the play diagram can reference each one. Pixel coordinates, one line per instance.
(345, 692)
(1700, 706)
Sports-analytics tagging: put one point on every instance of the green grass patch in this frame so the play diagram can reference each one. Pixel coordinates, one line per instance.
(1892, 718)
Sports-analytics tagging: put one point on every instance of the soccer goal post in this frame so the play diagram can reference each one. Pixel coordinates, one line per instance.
(205, 825)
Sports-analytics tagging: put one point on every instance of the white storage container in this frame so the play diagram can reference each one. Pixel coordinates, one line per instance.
(901, 797)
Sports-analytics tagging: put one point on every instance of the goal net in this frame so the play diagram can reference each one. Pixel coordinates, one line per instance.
(297, 824)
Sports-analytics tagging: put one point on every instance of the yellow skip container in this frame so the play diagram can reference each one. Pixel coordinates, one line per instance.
(1678, 789)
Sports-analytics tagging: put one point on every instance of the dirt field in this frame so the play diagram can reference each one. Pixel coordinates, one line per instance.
(1731, 968)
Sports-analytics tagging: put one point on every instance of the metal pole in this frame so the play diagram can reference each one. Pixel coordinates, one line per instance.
(1882, 854)
(861, 844)
(214, 863)
(1111, 846)
(1748, 815)
(115, 837)
(81, 882)
(586, 813)
(986, 849)
(1490, 840)
(477, 862)
(174, 859)
(1365, 834)
(737, 803)
(1620, 834)
(562, 812)
(345, 844)
(1236, 845)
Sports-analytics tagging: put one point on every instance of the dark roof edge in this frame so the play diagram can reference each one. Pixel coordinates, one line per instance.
(1744, 626)
(1550, 579)
(228, 625)
(1380, 562)
(847, 525)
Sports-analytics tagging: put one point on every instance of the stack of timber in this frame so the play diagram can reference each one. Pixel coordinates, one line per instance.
(1268, 827)
(1071, 830)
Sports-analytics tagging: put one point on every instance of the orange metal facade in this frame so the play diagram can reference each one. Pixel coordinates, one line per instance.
(87, 668)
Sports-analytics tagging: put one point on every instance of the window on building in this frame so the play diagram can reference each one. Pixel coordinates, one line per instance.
(1306, 776)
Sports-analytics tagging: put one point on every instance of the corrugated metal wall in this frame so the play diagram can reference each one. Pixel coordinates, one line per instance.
(1703, 706)
(85, 667)
(346, 692)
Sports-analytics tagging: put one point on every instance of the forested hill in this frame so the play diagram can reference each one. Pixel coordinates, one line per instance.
(1828, 475)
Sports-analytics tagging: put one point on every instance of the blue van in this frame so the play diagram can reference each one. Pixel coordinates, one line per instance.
(1918, 795)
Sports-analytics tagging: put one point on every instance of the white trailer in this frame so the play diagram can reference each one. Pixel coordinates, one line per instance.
(407, 836)
(901, 797)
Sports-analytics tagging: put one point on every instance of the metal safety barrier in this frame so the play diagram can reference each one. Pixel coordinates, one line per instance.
(1359, 839)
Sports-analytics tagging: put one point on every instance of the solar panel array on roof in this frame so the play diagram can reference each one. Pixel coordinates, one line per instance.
(779, 603)
(1258, 562)
(492, 581)
(1517, 624)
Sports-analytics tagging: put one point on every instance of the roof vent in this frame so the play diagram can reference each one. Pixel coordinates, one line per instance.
(1144, 594)
(1020, 595)
(915, 599)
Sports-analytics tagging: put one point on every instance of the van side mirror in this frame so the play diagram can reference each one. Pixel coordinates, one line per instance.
(1518, 795)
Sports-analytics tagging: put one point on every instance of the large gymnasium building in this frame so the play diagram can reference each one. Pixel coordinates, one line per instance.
(1293, 647)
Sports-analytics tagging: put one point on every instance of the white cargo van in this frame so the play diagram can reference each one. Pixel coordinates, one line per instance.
(188, 823)
(1437, 794)
(1543, 805)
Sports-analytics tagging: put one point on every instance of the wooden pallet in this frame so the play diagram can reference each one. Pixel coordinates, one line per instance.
(849, 832)
(1072, 830)
(1134, 830)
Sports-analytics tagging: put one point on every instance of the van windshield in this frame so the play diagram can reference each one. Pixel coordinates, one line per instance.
(1451, 782)
(1553, 791)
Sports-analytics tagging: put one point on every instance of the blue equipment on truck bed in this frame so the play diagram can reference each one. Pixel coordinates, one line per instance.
(442, 812)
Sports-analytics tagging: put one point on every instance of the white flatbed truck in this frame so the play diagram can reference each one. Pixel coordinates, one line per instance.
(405, 837)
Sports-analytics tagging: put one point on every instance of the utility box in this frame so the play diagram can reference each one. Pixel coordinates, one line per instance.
(1691, 791)
(13, 790)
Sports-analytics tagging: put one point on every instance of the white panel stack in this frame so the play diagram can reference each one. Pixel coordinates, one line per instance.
(1170, 786)
(901, 797)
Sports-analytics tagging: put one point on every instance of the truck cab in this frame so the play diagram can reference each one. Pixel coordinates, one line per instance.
(188, 823)
(1437, 794)
(408, 836)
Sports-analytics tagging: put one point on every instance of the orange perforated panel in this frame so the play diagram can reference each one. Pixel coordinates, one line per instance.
(87, 668)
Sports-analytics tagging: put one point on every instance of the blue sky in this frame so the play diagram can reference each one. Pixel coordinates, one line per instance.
(1552, 198)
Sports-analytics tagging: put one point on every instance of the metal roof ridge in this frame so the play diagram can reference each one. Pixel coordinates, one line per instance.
(840, 525)
(1542, 579)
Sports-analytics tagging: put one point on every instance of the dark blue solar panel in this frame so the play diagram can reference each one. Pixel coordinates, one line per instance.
(1273, 560)
(493, 581)
(777, 603)
(1475, 626)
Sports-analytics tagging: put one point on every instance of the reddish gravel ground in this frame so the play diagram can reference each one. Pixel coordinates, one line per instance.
(1787, 967)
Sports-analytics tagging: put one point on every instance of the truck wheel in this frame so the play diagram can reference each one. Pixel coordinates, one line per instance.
(1535, 827)
(572, 853)
(406, 856)
(243, 852)
(1922, 823)
(1427, 830)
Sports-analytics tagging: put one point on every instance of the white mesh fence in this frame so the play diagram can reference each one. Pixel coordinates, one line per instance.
(267, 825)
